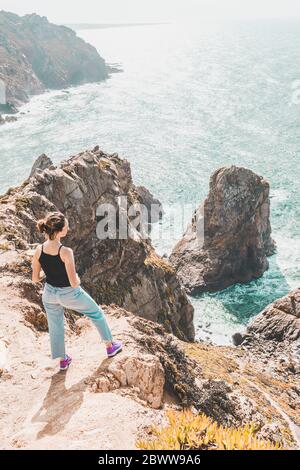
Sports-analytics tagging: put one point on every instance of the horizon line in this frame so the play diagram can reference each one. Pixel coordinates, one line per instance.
(112, 25)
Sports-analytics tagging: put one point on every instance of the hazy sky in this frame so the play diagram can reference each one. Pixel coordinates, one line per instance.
(98, 11)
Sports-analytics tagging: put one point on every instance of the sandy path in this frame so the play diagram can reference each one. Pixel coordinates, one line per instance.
(45, 409)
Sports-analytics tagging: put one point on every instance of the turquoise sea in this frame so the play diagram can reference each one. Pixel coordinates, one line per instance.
(192, 97)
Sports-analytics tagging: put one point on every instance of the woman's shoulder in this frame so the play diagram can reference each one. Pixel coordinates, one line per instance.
(38, 250)
(66, 249)
(66, 252)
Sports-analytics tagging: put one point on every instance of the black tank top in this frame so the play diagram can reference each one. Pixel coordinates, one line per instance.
(54, 268)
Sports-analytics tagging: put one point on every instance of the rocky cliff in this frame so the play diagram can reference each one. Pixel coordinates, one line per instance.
(36, 55)
(125, 271)
(256, 382)
(229, 238)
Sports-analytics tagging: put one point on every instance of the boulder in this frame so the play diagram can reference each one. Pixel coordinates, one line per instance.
(229, 237)
(143, 373)
(237, 339)
(280, 321)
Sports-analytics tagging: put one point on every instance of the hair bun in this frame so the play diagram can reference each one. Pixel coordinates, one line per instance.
(52, 224)
(41, 226)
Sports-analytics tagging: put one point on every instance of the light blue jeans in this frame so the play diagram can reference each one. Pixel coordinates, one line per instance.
(55, 299)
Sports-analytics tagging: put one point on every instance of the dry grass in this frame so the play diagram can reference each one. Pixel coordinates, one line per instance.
(233, 366)
(154, 260)
(215, 362)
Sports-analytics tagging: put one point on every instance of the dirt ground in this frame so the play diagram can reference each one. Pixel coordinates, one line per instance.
(43, 408)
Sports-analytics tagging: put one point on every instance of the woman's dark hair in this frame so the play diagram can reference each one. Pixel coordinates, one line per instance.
(53, 223)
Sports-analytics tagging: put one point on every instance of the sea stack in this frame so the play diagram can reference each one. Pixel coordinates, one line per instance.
(229, 238)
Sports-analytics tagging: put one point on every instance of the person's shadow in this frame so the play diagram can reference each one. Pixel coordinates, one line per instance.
(60, 403)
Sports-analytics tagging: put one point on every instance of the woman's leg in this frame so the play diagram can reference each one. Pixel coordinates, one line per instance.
(55, 317)
(80, 301)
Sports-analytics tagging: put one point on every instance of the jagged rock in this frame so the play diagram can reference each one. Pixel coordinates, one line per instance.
(272, 344)
(41, 163)
(272, 432)
(144, 373)
(183, 375)
(36, 317)
(11, 119)
(30, 290)
(106, 382)
(35, 54)
(229, 238)
(280, 321)
(127, 271)
(153, 205)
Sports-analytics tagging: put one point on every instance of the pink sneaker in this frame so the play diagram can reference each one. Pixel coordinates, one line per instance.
(64, 364)
(114, 349)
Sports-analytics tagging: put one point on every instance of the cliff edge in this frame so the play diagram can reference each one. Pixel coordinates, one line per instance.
(36, 55)
(126, 271)
(88, 406)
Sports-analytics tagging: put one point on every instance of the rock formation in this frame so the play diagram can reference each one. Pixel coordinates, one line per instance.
(41, 163)
(7, 119)
(280, 321)
(36, 55)
(272, 345)
(275, 332)
(11, 119)
(229, 238)
(125, 271)
(153, 205)
(256, 382)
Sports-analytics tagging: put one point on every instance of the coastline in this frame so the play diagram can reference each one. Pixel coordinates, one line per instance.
(94, 115)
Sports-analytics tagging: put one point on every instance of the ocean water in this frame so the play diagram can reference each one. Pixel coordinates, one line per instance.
(191, 98)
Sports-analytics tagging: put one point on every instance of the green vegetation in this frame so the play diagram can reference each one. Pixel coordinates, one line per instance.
(187, 431)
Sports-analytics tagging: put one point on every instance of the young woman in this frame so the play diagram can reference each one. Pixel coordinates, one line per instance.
(62, 288)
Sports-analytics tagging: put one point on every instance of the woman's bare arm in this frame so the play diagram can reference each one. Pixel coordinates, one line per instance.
(37, 273)
(67, 257)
